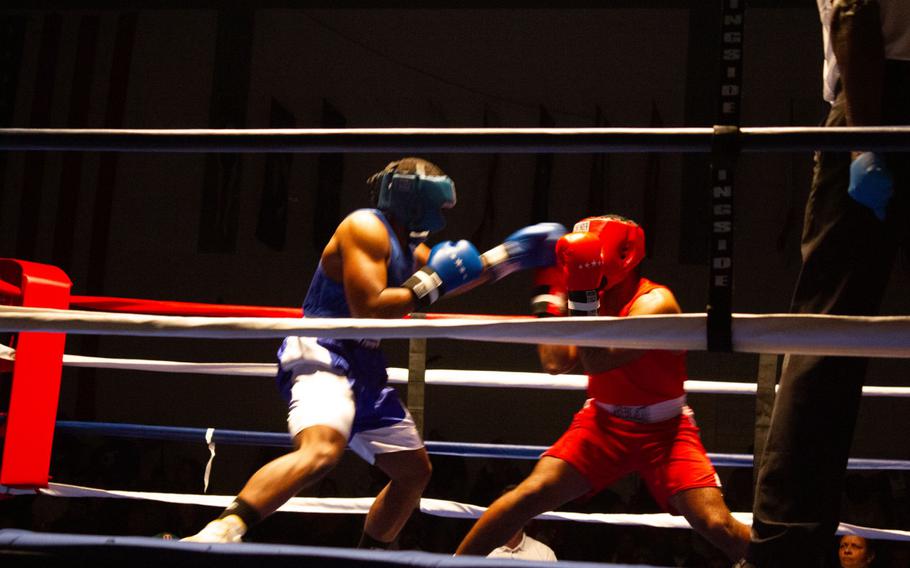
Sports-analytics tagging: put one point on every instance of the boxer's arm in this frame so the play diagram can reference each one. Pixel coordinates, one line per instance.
(421, 254)
(599, 359)
(533, 246)
(530, 247)
(364, 246)
(558, 359)
(549, 300)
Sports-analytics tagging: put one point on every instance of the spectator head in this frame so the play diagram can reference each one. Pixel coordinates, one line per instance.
(855, 552)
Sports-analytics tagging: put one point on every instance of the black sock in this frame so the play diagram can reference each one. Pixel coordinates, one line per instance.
(244, 510)
(366, 541)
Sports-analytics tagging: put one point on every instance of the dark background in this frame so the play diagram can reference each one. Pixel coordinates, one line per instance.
(247, 229)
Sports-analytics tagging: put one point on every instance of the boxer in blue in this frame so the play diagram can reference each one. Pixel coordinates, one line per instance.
(337, 390)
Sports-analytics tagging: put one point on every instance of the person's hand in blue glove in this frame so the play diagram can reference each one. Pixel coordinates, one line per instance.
(871, 183)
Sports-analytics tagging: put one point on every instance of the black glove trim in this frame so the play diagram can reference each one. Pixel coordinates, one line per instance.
(583, 302)
(425, 284)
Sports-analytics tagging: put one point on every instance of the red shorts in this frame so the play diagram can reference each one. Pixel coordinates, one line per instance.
(667, 455)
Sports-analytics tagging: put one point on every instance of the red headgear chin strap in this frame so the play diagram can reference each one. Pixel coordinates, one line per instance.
(622, 244)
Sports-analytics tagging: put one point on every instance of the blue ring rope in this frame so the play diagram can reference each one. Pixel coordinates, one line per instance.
(462, 449)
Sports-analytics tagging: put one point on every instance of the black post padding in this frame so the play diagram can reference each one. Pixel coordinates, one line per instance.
(725, 148)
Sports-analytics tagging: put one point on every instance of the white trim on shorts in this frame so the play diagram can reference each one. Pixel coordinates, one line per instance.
(646, 414)
(325, 399)
(398, 437)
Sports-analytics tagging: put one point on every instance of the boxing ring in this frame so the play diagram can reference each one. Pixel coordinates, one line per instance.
(752, 333)
(833, 335)
(42, 319)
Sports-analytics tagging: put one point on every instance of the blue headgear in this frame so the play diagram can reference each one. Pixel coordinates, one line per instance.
(416, 200)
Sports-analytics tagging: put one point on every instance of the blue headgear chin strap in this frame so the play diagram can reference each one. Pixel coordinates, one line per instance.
(416, 200)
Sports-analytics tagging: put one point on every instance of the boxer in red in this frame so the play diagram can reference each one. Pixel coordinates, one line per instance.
(635, 419)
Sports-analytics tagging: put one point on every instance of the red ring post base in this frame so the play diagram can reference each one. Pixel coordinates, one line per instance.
(32, 411)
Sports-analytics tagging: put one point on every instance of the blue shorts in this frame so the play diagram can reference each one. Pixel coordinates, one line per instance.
(344, 384)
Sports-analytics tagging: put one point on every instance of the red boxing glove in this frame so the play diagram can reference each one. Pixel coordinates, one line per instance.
(549, 292)
(581, 258)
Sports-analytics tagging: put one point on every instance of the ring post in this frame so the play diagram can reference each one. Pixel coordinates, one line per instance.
(35, 388)
(417, 370)
(725, 149)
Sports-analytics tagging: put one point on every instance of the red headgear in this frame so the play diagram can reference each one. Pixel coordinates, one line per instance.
(622, 244)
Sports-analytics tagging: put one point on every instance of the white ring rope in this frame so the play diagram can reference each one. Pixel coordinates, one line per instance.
(399, 375)
(466, 140)
(884, 336)
(436, 507)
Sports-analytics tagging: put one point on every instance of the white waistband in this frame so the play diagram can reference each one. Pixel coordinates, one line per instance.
(657, 412)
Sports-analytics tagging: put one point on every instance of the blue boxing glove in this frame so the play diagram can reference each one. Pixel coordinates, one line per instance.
(531, 247)
(870, 182)
(452, 265)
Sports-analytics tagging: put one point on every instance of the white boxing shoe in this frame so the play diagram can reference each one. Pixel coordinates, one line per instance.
(228, 529)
